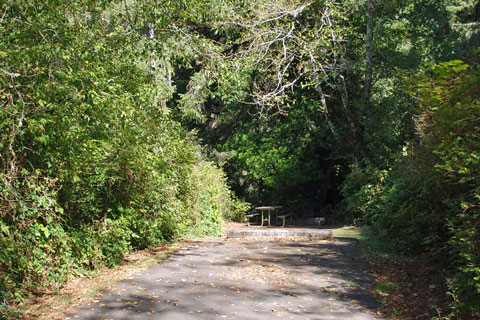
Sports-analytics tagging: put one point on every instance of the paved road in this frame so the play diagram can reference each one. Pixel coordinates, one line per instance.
(245, 279)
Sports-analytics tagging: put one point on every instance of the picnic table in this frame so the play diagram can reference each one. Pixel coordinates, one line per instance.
(267, 212)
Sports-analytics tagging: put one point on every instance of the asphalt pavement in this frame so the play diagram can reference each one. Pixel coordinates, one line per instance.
(245, 279)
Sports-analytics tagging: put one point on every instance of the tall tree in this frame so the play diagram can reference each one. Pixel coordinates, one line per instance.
(369, 52)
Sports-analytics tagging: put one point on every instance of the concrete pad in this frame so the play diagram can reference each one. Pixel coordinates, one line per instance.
(281, 233)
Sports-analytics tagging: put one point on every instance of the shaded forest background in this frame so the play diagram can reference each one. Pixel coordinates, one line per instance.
(125, 124)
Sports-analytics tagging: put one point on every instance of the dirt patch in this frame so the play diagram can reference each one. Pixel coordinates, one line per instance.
(409, 289)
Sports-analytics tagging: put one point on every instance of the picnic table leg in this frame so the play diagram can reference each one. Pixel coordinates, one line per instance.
(261, 224)
(269, 217)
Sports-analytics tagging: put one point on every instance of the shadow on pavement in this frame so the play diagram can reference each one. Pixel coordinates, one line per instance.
(248, 279)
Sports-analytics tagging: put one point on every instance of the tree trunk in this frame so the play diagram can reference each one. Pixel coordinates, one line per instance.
(369, 53)
(342, 85)
(319, 89)
(476, 16)
(353, 127)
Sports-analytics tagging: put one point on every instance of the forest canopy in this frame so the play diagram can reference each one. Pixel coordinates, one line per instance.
(125, 124)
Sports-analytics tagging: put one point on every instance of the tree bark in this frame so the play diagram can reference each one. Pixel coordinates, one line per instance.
(369, 53)
(346, 103)
(476, 16)
(319, 89)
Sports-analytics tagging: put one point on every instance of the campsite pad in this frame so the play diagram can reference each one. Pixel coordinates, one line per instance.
(245, 279)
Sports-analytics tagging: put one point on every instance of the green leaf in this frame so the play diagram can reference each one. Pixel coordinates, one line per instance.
(5, 229)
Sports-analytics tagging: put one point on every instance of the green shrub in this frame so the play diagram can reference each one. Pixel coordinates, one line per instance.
(361, 190)
(429, 202)
(35, 252)
(92, 164)
(114, 240)
(238, 210)
(210, 201)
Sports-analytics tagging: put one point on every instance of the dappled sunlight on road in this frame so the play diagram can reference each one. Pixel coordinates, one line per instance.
(245, 279)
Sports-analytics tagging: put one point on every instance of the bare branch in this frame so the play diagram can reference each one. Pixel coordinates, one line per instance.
(10, 74)
(284, 13)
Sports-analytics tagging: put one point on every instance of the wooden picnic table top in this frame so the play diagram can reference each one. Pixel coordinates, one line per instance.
(268, 208)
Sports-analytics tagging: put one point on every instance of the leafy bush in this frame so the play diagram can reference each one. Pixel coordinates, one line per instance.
(361, 191)
(92, 165)
(212, 201)
(428, 202)
(34, 246)
(238, 210)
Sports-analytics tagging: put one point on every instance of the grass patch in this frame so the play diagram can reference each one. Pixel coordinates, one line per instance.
(349, 232)
(382, 288)
(372, 243)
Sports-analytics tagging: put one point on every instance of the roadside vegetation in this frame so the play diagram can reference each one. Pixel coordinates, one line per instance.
(93, 165)
(406, 287)
(128, 124)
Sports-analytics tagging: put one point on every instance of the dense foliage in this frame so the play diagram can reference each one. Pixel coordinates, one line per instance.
(428, 202)
(119, 119)
(92, 164)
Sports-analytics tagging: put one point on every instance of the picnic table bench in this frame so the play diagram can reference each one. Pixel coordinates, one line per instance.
(284, 216)
(250, 216)
(267, 213)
